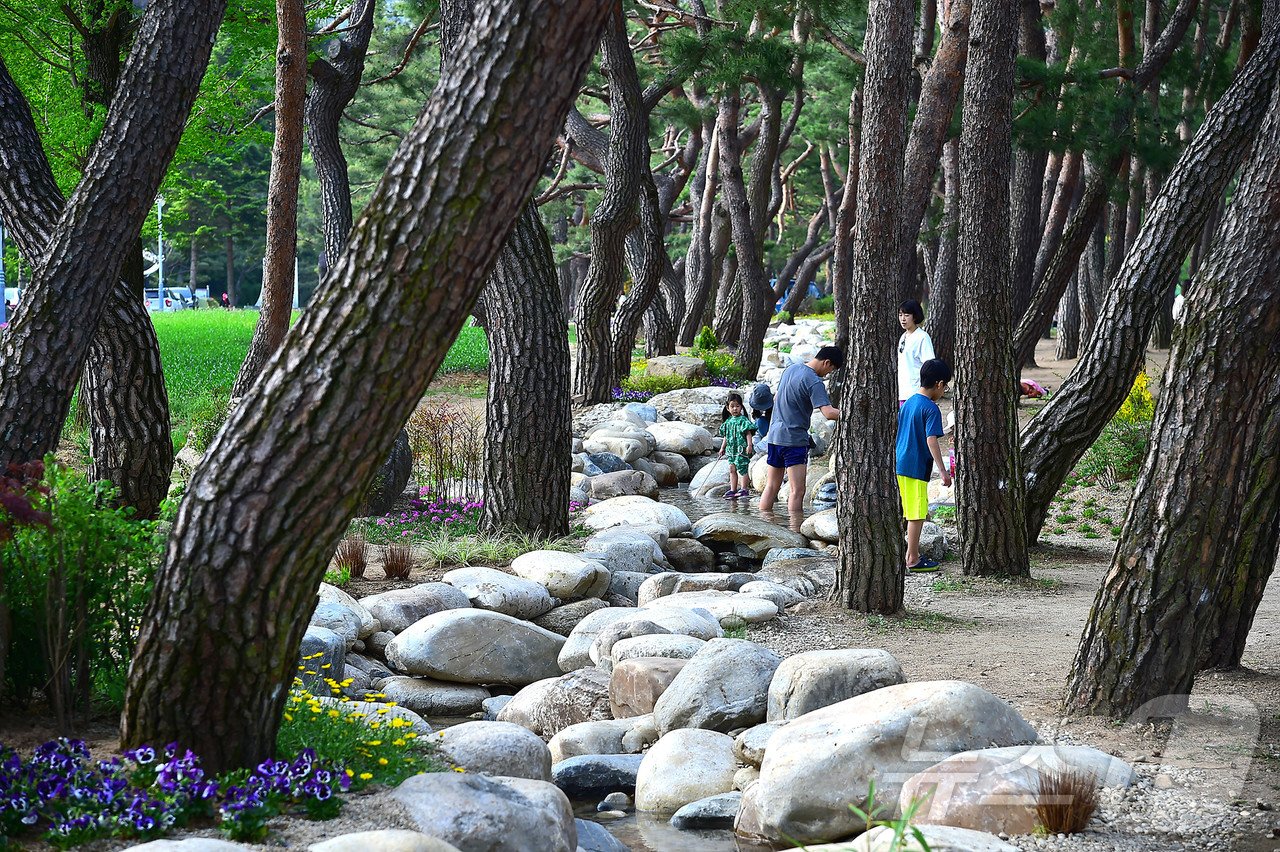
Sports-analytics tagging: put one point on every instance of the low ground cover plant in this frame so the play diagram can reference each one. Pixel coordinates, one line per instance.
(1118, 453)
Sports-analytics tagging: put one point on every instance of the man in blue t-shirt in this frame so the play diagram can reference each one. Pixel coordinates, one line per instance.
(919, 428)
(800, 391)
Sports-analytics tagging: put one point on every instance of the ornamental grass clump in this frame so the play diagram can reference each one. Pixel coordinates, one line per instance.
(446, 439)
(353, 555)
(1067, 801)
(397, 561)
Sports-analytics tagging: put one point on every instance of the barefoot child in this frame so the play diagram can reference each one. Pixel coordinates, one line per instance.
(738, 432)
(919, 427)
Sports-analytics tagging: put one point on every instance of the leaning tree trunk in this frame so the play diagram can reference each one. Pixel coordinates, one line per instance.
(1200, 539)
(46, 345)
(1068, 425)
(594, 371)
(871, 570)
(282, 193)
(845, 219)
(220, 639)
(527, 404)
(335, 79)
(699, 272)
(989, 488)
(1069, 322)
(941, 323)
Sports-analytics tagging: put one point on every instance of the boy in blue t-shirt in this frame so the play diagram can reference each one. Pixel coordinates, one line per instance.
(919, 427)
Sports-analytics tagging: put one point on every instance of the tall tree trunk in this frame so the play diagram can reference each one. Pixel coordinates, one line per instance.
(749, 207)
(1200, 539)
(941, 323)
(806, 273)
(123, 385)
(230, 253)
(699, 275)
(595, 369)
(44, 350)
(846, 216)
(1069, 322)
(871, 570)
(194, 255)
(1055, 440)
(282, 193)
(1028, 178)
(220, 639)
(989, 489)
(335, 79)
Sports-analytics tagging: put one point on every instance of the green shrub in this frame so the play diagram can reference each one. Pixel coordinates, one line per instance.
(1118, 453)
(705, 340)
(720, 365)
(75, 583)
(784, 318)
(654, 385)
(822, 305)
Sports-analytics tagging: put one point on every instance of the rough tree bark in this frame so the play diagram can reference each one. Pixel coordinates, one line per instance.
(989, 490)
(46, 344)
(594, 370)
(1200, 539)
(846, 216)
(871, 546)
(699, 273)
(1069, 322)
(282, 193)
(1028, 178)
(1068, 425)
(220, 638)
(941, 322)
(335, 78)
(123, 384)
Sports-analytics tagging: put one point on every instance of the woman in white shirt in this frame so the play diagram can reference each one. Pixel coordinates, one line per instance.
(914, 348)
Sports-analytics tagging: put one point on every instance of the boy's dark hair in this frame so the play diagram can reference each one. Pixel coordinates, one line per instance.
(733, 397)
(834, 354)
(911, 306)
(934, 371)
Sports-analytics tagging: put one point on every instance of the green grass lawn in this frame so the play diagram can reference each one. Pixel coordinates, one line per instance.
(202, 351)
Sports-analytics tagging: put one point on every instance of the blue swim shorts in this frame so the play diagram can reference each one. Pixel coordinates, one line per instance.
(785, 457)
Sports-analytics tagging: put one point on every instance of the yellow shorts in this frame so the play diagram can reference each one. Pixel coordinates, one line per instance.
(915, 498)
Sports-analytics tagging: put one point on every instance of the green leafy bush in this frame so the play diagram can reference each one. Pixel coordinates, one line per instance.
(823, 305)
(654, 385)
(784, 317)
(1118, 453)
(74, 587)
(720, 365)
(705, 340)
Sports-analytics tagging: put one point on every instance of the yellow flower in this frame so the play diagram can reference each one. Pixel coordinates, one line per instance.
(398, 742)
(382, 761)
(315, 710)
(458, 769)
(333, 714)
(397, 722)
(365, 776)
(288, 717)
(374, 742)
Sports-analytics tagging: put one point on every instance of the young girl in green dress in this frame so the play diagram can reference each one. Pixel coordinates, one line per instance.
(738, 432)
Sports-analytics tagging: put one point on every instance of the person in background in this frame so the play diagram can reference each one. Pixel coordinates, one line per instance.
(226, 301)
(761, 402)
(800, 391)
(919, 428)
(914, 348)
(737, 431)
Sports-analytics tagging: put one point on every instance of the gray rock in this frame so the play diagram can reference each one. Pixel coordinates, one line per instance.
(825, 498)
(479, 813)
(399, 608)
(604, 463)
(781, 596)
(728, 608)
(780, 553)
(600, 737)
(644, 411)
(567, 576)
(684, 366)
(549, 706)
(594, 837)
(819, 763)
(682, 767)
(625, 549)
(663, 475)
(493, 706)
(933, 542)
(564, 618)
(643, 735)
(624, 483)
(371, 712)
(672, 646)
(378, 642)
(717, 811)
(750, 745)
(391, 478)
(701, 406)
(687, 439)
(383, 840)
(675, 582)
(322, 652)
(495, 748)
(332, 594)
(576, 652)
(591, 776)
(339, 619)
(609, 636)
(815, 679)
(757, 534)
(476, 646)
(191, 844)
(587, 418)
(428, 697)
(809, 577)
(630, 511)
(626, 584)
(679, 464)
(722, 687)
(627, 449)
(710, 479)
(939, 838)
(491, 589)
(821, 526)
(689, 554)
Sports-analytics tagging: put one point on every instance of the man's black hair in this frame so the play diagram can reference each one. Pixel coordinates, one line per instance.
(834, 354)
(911, 306)
(933, 371)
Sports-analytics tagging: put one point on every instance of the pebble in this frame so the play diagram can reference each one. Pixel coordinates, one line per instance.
(616, 801)
(611, 815)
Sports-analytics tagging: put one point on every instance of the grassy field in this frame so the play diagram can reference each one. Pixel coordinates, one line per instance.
(202, 351)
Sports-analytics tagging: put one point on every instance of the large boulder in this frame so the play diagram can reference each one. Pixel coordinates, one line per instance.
(428, 697)
(750, 745)
(683, 366)
(371, 713)
(815, 679)
(636, 685)
(599, 463)
(322, 651)
(603, 736)
(625, 586)
(391, 478)
(397, 609)
(645, 412)
(585, 419)
(601, 649)
(626, 548)
(819, 763)
(937, 838)
(725, 606)
(679, 464)
(672, 646)
(622, 511)
(491, 589)
(756, 534)
(933, 542)
(701, 406)
(998, 789)
(564, 618)
(718, 811)
(576, 652)
(780, 553)
(687, 439)
(594, 837)
(382, 840)
(596, 775)
(663, 475)
(624, 483)
(564, 575)
(626, 448)
(332, 594)
(476, 646)
(809, 577)
(689, 554)
(339, 619)
(781, 596)
(722, 687)
(682, 767)
(709, 478)
(495, 748)
(821, 526)
(549, 706)
(479, 813)
(685, 621)
(672, 582)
